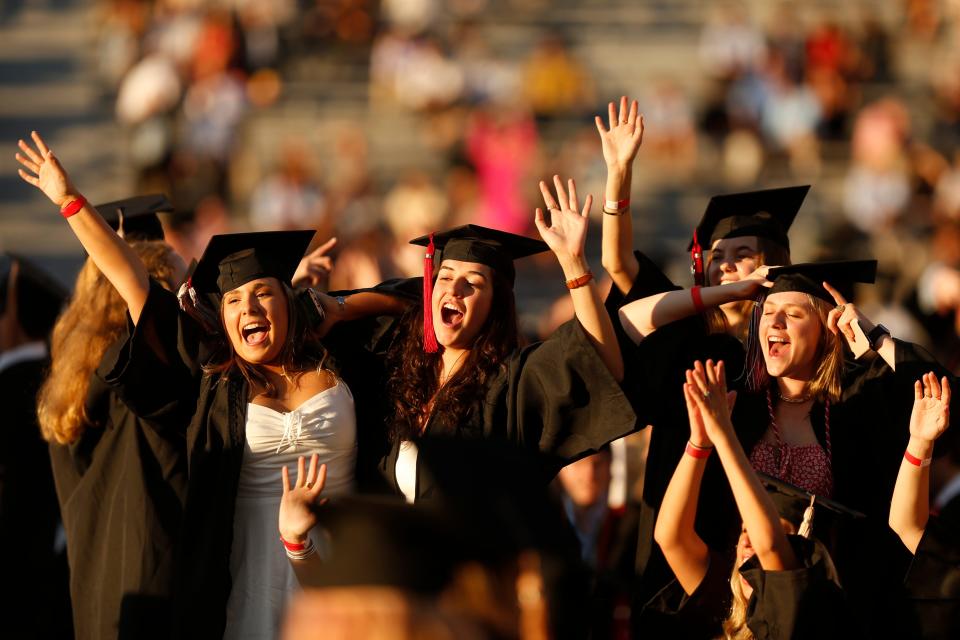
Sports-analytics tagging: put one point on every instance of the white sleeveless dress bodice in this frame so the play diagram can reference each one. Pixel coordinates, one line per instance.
(263, 579)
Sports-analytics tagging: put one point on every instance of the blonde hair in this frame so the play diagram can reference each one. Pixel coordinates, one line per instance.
(735, 626)
(94, 319)
(826, 383)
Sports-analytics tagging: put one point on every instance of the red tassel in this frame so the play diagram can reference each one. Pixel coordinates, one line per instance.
(696, 256)
(429, 335)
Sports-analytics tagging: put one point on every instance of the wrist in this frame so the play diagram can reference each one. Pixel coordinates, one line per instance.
(67, 198)
(573, 266)
(291, 538)
(920, 447)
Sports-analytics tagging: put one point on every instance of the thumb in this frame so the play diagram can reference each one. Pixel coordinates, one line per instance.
(731, 399)
(325, 247)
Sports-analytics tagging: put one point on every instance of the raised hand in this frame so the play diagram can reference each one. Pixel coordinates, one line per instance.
(754, 282)
(622, 140)
(931, 407)
(567, 231)
(709, 392)
(314, 270)
(847, 320)
(297, 516)
(44, 171)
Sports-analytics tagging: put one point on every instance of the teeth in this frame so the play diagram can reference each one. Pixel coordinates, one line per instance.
(254, 325)
(777, 339)
(450, 305)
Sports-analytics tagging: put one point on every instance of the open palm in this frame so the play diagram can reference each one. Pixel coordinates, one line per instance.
(931, 408)
(297, 504)
(623, 139)
(44, 171)
(567, 231)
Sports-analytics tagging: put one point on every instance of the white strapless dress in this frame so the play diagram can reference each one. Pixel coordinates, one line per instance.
(263, 579)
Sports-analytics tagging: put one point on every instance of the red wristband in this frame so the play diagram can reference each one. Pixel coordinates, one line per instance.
(915, 461)
(73, 207)
(294, 546)
(697, 299)
(700, 453)
(576, 283)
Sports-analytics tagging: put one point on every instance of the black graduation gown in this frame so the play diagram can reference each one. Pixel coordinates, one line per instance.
(654, 384)
(933, 582)
(215, 442)
(798, 604)
(29, 515)
(555, 396)
(121, 488)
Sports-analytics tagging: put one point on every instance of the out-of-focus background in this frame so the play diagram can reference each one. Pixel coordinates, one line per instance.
(378, 121)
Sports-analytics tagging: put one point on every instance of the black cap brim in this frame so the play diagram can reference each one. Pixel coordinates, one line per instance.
(492, 247)
(231, 260)
(808, 277)
(767, 213)
(136, 218)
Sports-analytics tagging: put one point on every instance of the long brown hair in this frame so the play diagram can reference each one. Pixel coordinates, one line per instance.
(414, 375)
(94, 319)
(301, 352)
(828, 377)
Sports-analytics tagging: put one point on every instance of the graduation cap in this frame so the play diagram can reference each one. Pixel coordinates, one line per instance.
(234, 259)
(766, 214)
(40, 297)
(797, 505)
(379, 541)
(136, 218)
(808, 277)
(500, 514)
(470, 243)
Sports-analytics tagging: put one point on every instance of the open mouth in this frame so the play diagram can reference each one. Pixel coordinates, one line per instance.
(451, 315)
(254, 333)
(777, 346)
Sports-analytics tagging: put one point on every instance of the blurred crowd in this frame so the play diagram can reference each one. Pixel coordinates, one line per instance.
(464, 105)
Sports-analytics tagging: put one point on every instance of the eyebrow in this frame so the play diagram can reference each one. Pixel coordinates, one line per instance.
(792, 305)
(468, 272)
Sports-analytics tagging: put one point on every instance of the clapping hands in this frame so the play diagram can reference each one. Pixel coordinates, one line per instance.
(708, 403)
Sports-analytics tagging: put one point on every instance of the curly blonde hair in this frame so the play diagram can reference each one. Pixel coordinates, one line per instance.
(94, 319)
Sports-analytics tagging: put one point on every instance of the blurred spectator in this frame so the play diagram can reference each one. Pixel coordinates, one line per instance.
(501, 143)
(413, 72)
(730, 43)
(669, 132)
(555, 83)
(289, 198)
(877, 187)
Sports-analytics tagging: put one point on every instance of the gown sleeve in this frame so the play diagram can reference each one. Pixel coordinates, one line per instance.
(152, 367)
(672, 613)
(799, 603)
(560, 397)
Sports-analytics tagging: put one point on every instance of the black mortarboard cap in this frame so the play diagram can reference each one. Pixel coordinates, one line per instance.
(807, 277)
(792, 501)
(498, 514)
(379, 541)
(40, 296)
(767, 214)
(473, 243)
(136, 218)
(234, 259)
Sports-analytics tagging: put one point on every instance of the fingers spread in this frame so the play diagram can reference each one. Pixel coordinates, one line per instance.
(917, 390)
(28, 178)
(30, 152)
(547, 196)
(301, 475)
(285, 477)
(612, 114)
(586, 206)
(572, 187)
(41, 145)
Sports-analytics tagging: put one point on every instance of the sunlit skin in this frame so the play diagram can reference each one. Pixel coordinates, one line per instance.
(462, 297)
(745, 551)
(732, 260)
(790, 335)
(255, 317)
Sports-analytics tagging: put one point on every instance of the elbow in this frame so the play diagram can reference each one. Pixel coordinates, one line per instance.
(613, 265)
(635, 335)
(666, 536)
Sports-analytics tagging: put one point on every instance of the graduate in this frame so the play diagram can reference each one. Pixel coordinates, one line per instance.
(30, 301)
(457, 368)
(933, 580)
(829, 413)
(781, 586)
(118, 460)
(257, 390)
